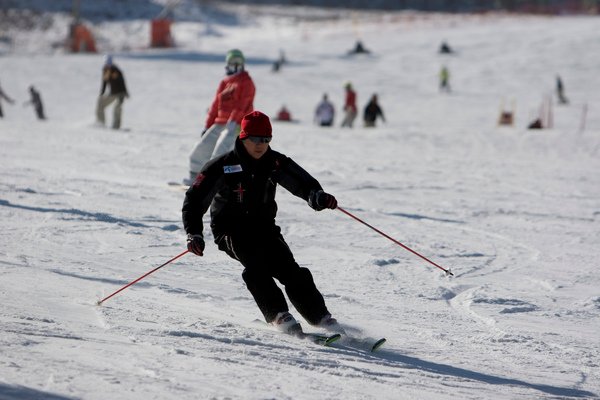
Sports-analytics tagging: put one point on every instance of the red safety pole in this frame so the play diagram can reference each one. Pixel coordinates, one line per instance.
(447, 271)
(141, 277)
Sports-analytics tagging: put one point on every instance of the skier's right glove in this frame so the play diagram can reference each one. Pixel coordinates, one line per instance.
(320, 200)
(195, 244)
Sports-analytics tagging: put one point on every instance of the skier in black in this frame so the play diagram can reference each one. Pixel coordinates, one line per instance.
(36, 100)
(372, 111)
(560, 91)
(239, 187)
(5, 97)
(112, 76)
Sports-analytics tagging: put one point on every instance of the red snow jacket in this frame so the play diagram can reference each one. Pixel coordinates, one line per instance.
(233, 100)
(350, 100)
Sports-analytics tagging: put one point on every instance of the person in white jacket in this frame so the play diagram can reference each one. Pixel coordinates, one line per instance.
(325, 112)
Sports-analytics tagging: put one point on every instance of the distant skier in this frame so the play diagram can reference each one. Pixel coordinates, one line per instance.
(239, 187)
(372, 111)
(444, 79)
(113, 77)
(5, 97)
(560, 91)
(234, 99)
(36, 100)
(350, 109)
(277, 64)
(325, 112)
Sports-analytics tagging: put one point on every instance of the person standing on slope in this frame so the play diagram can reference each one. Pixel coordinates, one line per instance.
(325, 112)
(112, 76)
(36, 101)
(5, 97)
(233, 100)
(239, 187)
(350, 109)
(372, 111)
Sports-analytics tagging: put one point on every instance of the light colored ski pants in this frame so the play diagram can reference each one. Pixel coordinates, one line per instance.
(105, 101)
(349, 117)
(217, 140)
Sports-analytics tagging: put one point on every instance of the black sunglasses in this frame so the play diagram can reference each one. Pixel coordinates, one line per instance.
(259, 139)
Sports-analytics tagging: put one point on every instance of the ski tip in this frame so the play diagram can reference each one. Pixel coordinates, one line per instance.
(332, 339)
(378, 344)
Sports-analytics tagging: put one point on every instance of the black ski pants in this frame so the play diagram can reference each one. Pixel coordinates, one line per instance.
(266, 257)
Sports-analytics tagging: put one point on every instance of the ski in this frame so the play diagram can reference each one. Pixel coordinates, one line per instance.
(318, 338)
(378, 344)
(324, 339)
(369, 344)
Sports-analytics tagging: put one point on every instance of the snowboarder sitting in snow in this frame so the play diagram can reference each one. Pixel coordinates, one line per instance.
(445, 48)
(284, 114)
(359, 48)
(239, 187)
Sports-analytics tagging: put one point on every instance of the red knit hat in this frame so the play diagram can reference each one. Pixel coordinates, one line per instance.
(255, 124)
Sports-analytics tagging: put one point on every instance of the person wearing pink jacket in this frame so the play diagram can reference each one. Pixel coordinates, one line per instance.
(234, 99)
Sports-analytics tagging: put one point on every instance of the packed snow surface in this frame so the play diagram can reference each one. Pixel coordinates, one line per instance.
(514, 213)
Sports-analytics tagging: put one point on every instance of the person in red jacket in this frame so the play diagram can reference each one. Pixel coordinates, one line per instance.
(233, 100)
(349, 106)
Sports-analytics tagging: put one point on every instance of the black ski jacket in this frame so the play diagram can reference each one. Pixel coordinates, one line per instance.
(113, 76)
(240, 192)
(372, 110)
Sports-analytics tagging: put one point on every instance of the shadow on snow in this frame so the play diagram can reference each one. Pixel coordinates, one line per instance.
(444, 369)
(25, 393)
(192, 56)
(85, 215)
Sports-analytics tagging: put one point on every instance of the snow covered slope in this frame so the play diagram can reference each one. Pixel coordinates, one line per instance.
(514, 213)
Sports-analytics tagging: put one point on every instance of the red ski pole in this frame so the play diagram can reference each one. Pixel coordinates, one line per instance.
(141, 277)
(447, 271)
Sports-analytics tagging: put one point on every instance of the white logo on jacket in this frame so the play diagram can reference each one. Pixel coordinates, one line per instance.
(230, 169)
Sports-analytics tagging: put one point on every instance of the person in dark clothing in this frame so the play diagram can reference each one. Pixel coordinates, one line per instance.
(36, 100)
(239, 187)
(372, 111)
(445, 48)
(5, 97)
(359, 48)
(113, 77)
(560, 91)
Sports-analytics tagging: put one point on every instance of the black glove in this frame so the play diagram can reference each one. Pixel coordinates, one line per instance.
(319, 200)
(195, 244)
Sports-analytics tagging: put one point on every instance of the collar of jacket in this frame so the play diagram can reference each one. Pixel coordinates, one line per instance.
(249, 163)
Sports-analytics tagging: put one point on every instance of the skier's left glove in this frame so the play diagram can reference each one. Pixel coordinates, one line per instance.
(320, 200)
(195, 244)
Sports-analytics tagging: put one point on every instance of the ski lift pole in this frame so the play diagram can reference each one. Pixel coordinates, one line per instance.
(141, 277)
(447, 271)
